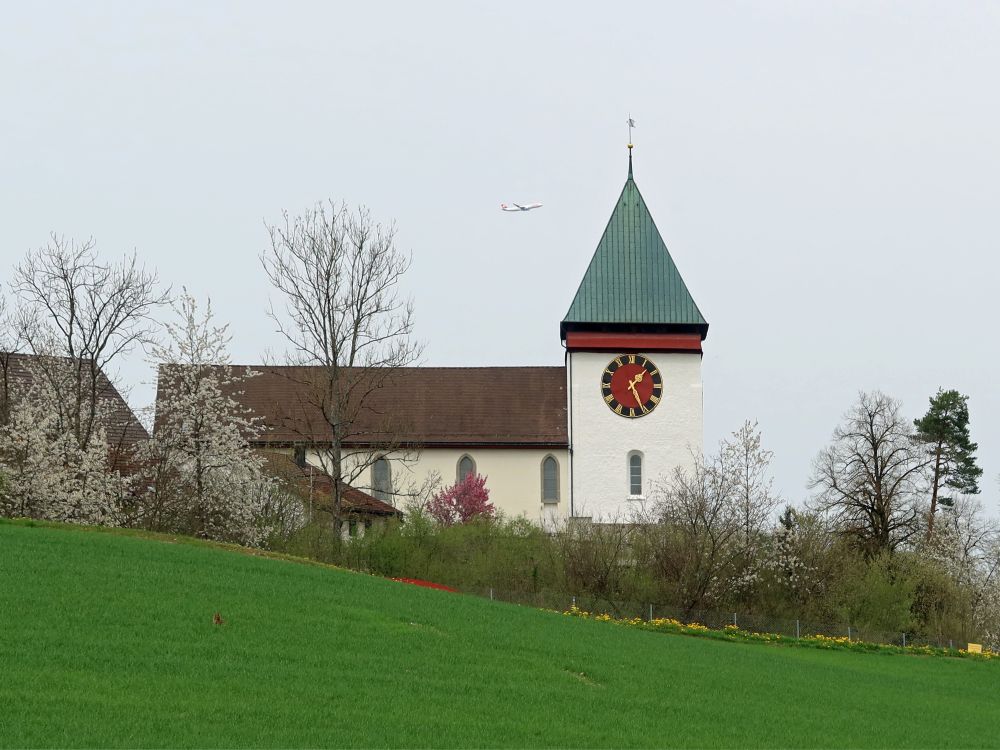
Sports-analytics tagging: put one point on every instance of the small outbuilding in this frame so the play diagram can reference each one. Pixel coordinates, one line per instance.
(359, 511)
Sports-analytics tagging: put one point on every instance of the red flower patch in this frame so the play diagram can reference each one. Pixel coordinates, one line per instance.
(426, 584)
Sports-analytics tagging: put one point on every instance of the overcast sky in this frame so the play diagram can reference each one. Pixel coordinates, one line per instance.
(824, 174)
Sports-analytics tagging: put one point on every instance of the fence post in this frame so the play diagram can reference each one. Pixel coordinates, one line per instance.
(796, 630)
(848, 632)
(951, 644)
(734, 619)
(491, 593)
(574, 602)
(904, 640)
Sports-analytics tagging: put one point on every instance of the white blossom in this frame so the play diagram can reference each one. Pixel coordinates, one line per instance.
(205, 478)
(49, 474)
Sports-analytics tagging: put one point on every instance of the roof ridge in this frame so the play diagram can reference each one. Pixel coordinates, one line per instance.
(408, 368)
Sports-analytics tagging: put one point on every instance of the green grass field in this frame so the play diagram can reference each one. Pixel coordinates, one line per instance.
(108, 640)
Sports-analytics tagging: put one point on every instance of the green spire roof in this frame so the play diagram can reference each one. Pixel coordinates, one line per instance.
(632, 281)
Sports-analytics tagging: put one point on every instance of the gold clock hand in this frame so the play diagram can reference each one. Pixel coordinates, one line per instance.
(631, 387)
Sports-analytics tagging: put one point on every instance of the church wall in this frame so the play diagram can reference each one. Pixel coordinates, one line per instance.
(602, 440)
(513, 476)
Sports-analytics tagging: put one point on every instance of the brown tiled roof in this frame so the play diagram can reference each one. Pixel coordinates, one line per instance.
(309, 479)
(121, 425)
(427, 406)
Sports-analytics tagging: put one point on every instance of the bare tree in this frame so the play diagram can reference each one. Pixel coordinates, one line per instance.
(596, 557)
(712, 521)
(869, 478)
(79, 309)
(347, 327)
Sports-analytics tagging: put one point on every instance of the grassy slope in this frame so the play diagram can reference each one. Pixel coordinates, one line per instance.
(108, 640)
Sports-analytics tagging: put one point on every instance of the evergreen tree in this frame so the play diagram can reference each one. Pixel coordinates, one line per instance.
(944, 430)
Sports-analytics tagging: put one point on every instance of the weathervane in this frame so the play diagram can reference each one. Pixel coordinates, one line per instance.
(631, 124)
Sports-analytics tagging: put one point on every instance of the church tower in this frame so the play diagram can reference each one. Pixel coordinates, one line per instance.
(633, 338)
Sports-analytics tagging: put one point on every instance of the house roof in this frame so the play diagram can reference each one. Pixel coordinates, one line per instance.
(417, 406)
(309, 479)
(632, 280)
(120, 423)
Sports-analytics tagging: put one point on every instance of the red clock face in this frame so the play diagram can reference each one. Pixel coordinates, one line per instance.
(631, 385)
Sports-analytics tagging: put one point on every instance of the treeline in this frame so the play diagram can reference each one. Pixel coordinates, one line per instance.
(867, 550)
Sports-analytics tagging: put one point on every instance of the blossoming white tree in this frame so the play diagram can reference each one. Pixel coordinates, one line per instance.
(205, 479)
(966, 546)
(75, 316)
(49, 473)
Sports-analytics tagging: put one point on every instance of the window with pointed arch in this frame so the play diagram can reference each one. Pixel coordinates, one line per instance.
(382, 479)
(465, 467)
(635, 474)
(550, 479)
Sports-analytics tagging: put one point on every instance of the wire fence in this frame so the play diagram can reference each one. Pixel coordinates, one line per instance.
(713, 618)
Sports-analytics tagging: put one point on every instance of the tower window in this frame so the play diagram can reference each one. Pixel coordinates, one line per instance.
(550, 480)
(466, 466)
(635, 474)
(381, 479)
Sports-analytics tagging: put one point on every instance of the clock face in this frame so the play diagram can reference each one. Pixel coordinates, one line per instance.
(631, 385)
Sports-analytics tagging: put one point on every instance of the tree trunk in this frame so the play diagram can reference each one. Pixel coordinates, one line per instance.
(336, 458)
(198, 520)
(934, 490)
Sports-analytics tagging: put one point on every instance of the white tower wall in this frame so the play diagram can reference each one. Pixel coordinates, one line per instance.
(601, 440)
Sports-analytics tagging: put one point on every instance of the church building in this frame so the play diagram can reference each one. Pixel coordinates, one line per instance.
(582, 440)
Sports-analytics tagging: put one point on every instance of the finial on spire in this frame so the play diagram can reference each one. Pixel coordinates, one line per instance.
(631, 124)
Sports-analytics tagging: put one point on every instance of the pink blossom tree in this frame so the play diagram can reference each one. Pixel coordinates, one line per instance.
(463, 501)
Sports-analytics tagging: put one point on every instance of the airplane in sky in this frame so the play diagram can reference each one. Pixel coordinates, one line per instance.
(519, 206)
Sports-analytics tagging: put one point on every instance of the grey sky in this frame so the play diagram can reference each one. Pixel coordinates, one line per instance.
(824, 174)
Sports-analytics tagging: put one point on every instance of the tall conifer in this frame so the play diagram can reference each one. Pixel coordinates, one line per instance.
(944, 431)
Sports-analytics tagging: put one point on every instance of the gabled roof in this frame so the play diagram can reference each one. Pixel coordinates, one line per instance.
(632, 282)
(310, 481)
(122, 427)
(423, 407)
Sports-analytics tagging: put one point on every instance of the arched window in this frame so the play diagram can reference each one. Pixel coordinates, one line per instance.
(466, 466)
(550, 480)
(635, 474)
(381, 479)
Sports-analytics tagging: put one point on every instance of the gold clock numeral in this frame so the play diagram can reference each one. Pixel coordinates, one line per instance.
(606, 386)
(609, 398)
(618, 361)
(653, 372)
(654, 399)
(609, 372)
(657, 386)
(618, 409)
(631, 412)
(631, 359)
(644, 409)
